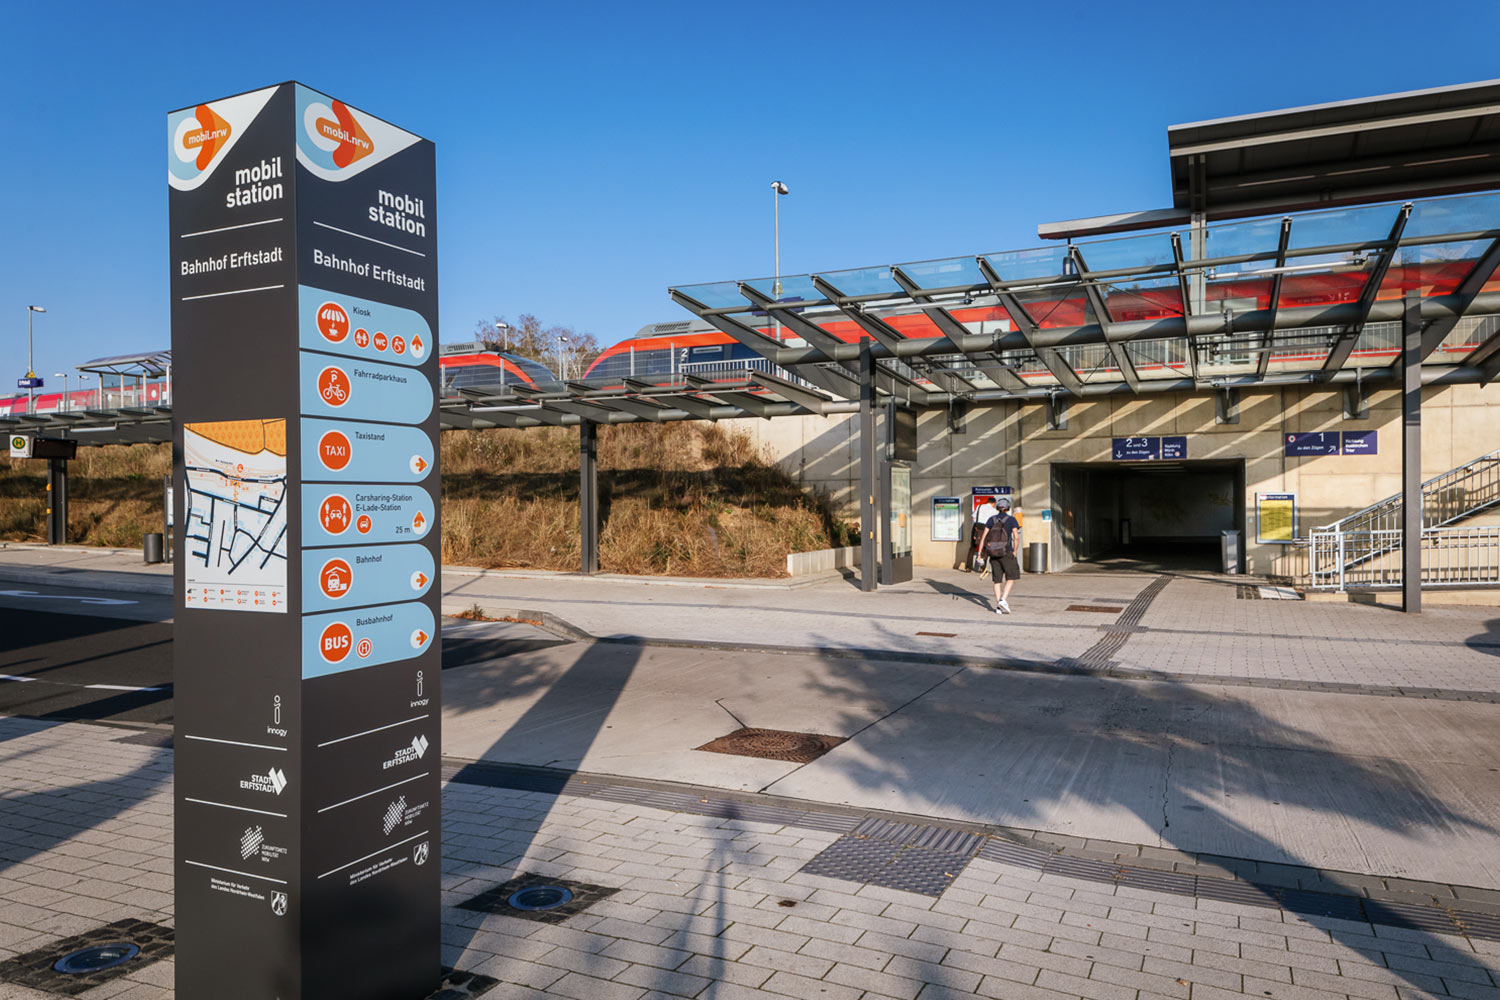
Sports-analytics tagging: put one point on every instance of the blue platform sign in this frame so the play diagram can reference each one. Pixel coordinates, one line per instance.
(1313, 443)
(1174, 447)
(28, 383)
(1137, 449)
(1361, 442)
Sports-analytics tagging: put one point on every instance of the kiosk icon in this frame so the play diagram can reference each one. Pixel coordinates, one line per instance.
(333, 322)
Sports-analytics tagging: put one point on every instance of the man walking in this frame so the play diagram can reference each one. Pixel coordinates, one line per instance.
(1001, 541)
(982, 515)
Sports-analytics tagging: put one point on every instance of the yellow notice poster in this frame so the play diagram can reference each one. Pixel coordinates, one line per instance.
(1276, 517)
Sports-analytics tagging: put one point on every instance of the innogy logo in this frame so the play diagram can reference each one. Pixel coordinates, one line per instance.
(201, 136)
(335, 130)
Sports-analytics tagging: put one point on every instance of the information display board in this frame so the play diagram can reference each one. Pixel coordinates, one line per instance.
(1276, 518)
(303, 239)
(947, 521)
(1148, 449)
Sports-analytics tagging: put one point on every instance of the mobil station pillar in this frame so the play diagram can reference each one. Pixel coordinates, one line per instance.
(305, 478)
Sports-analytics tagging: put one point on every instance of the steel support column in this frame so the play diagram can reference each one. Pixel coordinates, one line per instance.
(869, 554)
(1411, 455)
(57, 501)
(588, 494)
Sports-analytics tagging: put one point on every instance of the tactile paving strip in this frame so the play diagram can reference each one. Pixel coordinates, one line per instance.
(910, 857)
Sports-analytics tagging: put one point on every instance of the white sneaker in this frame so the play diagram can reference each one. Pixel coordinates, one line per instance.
(997, 609)
(1002, 607)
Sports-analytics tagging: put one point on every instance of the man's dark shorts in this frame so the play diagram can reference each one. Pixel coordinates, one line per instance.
(1004, 568)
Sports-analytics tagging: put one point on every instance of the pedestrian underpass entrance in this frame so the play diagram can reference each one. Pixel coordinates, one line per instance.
(1146, 515)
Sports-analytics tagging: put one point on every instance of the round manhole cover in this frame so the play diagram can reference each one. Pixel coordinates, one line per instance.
(540, 897)
(104, 956)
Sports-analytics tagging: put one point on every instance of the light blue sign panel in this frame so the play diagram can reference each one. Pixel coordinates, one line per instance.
(360, 328)
(352, 640)
(359, 390)
(369, 574)
(347, 451)
(364, 514)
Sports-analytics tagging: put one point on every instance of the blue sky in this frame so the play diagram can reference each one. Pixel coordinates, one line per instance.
(589, 155)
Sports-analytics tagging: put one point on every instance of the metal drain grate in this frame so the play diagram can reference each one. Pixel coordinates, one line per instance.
(905, 856)
(38, 969)
(525, 888)
(1102, 609)
(774, 744)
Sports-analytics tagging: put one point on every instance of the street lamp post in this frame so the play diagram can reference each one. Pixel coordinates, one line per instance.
(562, 359)
(30, 362)
(64, 376)
(778, 189)
(81, 380)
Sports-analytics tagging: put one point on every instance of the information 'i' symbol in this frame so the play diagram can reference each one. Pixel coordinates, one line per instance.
(419, 683)
(333, 322)
(333, 386)
(276, 710)
(334, 514)
(334, 451)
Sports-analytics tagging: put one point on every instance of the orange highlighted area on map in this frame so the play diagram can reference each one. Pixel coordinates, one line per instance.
(249, 436)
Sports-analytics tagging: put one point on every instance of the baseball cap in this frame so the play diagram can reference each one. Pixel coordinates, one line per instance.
(1002, 502)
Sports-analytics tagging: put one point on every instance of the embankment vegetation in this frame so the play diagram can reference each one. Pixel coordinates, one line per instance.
(686, 499)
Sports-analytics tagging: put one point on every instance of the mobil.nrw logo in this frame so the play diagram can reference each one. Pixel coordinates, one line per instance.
(335, 141)
(198, 138)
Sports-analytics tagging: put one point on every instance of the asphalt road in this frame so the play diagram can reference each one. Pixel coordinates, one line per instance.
(74, 654)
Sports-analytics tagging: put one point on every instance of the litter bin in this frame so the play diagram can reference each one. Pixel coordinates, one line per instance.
(153, 547)
(1036, 557)
(1231, 542)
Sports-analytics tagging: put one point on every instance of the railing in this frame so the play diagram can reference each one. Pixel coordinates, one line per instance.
(1365, 537)
(1451, 557)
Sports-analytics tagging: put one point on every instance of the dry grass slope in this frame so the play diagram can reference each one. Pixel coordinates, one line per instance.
(687, 499)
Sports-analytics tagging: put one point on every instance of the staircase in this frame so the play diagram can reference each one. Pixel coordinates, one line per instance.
(1364, 549)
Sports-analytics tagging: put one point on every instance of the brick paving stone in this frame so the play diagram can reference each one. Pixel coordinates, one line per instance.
(678, 984)
(582, 987)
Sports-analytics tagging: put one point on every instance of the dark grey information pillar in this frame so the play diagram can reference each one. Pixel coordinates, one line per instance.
(588, 495)
(57, 501)
(869, 551)
(1411, 454)
(304, 339)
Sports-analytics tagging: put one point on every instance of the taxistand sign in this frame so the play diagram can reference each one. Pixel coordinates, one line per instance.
(303, 251)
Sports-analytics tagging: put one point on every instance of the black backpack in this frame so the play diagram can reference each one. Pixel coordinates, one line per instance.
(998, 543)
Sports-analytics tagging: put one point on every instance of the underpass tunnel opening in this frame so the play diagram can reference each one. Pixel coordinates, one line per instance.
(1148, 515)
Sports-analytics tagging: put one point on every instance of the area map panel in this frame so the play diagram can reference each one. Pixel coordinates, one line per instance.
(236, 545)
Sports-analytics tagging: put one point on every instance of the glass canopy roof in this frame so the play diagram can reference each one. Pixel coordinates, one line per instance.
(1293, 298)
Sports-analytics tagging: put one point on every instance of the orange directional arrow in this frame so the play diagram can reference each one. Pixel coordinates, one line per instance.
(421, 465)
(421, 580)
(416, 343)
(419, 520)
(421, 638)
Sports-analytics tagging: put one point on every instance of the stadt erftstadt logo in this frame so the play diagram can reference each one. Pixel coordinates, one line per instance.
(333, 129)
(273, 781)
(407, 754)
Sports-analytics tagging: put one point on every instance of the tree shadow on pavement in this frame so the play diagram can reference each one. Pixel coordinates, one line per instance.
(1197, 768)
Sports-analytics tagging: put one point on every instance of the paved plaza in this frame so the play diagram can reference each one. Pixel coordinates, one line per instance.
(1198, 794)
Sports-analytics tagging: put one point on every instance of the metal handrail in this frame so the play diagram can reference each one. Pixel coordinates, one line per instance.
(1451, 557)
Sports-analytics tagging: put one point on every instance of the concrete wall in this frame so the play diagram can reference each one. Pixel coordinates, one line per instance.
(1008, 444)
